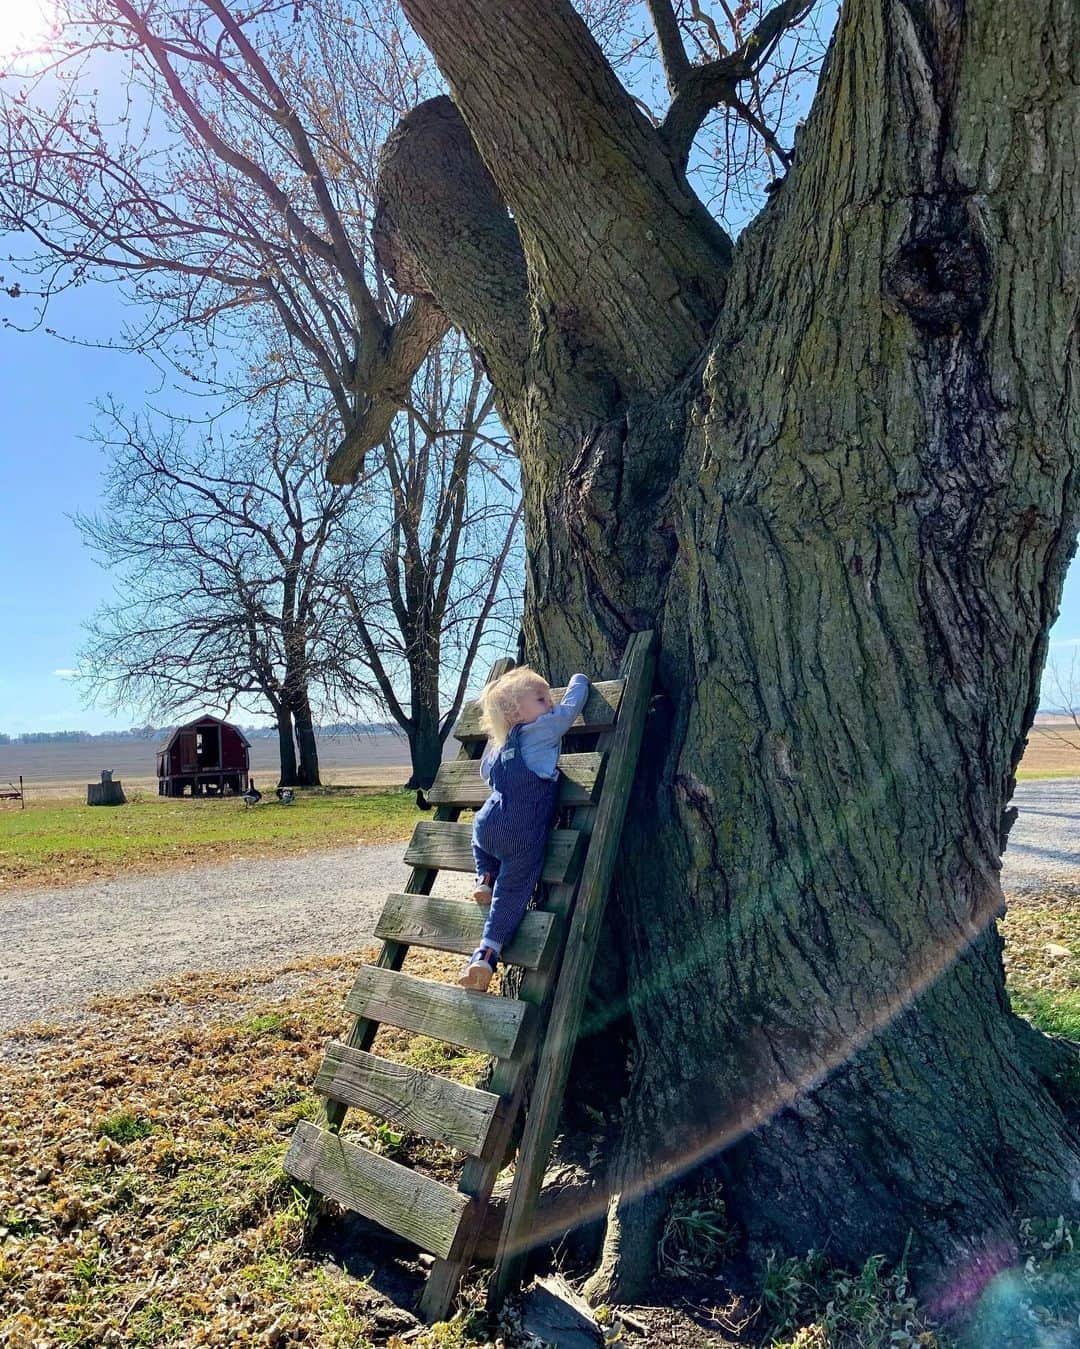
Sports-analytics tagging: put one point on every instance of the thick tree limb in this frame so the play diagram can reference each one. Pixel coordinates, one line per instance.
(443, 232)
(701, 88)
(385, 379)
(668, 38)
(610, 229)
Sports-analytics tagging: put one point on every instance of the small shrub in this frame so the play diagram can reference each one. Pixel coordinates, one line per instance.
(809, 1304)
(381, 1138)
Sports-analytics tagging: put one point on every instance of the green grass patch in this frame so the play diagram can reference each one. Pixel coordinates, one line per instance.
(432, 1056)
(1057, 1012)
(268, 1023)
(124, 1127)
(156, 1323)
(49, 844)
(808, 1303)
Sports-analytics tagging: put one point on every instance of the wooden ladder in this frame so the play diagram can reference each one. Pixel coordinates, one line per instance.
(540, 1025)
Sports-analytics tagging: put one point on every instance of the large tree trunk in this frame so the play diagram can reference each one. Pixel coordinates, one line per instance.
(289, 776)
(425, 736)
(305, 739)
(849, 521)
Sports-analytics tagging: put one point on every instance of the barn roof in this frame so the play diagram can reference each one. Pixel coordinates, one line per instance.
(201, 721)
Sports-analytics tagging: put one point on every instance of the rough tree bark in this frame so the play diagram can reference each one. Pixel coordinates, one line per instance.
(834, 466)
(288, 775)
(306, 743)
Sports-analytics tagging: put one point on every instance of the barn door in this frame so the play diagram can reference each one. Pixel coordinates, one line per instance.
(210, 747)
(189, 752)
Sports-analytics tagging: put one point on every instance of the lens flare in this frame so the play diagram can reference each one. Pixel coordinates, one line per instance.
(25, 24)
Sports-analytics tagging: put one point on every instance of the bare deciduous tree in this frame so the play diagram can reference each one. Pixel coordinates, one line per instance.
(445, 584)
(230, 177)
(245, 575)
(232, 186)
(232, 551)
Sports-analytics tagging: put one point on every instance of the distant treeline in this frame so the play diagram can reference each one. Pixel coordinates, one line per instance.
(153, 732)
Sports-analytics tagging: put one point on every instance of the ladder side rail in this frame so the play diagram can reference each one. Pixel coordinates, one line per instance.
(573, 981)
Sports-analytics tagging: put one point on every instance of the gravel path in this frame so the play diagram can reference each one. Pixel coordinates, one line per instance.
(1044, 846)
(64, 945)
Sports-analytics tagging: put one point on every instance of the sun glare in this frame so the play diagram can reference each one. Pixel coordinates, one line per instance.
(24, 24)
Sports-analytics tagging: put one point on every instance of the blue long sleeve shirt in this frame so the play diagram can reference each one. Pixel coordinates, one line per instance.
(540, 739)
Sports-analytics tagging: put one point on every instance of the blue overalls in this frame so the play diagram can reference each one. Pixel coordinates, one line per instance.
(509, 838)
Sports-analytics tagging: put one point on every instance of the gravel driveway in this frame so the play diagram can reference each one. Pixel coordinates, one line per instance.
(65, 945)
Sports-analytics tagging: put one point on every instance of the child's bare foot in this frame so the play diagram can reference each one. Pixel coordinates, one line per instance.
(477, 973)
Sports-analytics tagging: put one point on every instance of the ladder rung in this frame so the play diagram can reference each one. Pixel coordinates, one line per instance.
(459, 783)
(456, 925)
(422, 1102)
(444, 846)
(459, 1017)
(407, 1202)
(597, 714)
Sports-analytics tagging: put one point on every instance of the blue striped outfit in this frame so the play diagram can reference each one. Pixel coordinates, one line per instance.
(510, 831)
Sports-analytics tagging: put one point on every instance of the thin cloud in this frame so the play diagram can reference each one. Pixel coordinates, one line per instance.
(66, 674)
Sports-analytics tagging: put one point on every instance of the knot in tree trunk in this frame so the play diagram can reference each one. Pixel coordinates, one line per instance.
(940, 277)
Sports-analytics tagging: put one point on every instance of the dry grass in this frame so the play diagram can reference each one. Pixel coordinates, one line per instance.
(142, 1200)
(1053, 750)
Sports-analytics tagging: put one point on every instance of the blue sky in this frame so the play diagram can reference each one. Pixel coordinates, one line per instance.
(48, 584)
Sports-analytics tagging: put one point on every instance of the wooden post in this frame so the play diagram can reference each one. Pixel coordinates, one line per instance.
(22, 794)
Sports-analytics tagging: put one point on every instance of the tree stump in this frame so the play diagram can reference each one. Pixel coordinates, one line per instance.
(106, 792)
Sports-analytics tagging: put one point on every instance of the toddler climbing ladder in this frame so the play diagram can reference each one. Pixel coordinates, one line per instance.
(538, 1026)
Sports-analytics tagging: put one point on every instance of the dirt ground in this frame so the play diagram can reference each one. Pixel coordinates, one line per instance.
(1053, 747)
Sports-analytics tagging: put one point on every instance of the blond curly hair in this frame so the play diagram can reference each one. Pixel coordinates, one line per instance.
(500, 702)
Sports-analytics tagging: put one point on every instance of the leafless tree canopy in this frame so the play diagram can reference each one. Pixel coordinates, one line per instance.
(249, 580)
(221, 161)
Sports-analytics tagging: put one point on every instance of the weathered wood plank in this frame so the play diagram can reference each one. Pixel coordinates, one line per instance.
(407, 1202)
(455, 1015)
(568, 1001)
(459, 783)
(423, 1102)
(597, 714)
(448, 847)
(457, 925)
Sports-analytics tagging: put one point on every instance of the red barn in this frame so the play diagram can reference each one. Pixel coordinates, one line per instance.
(207, 755)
